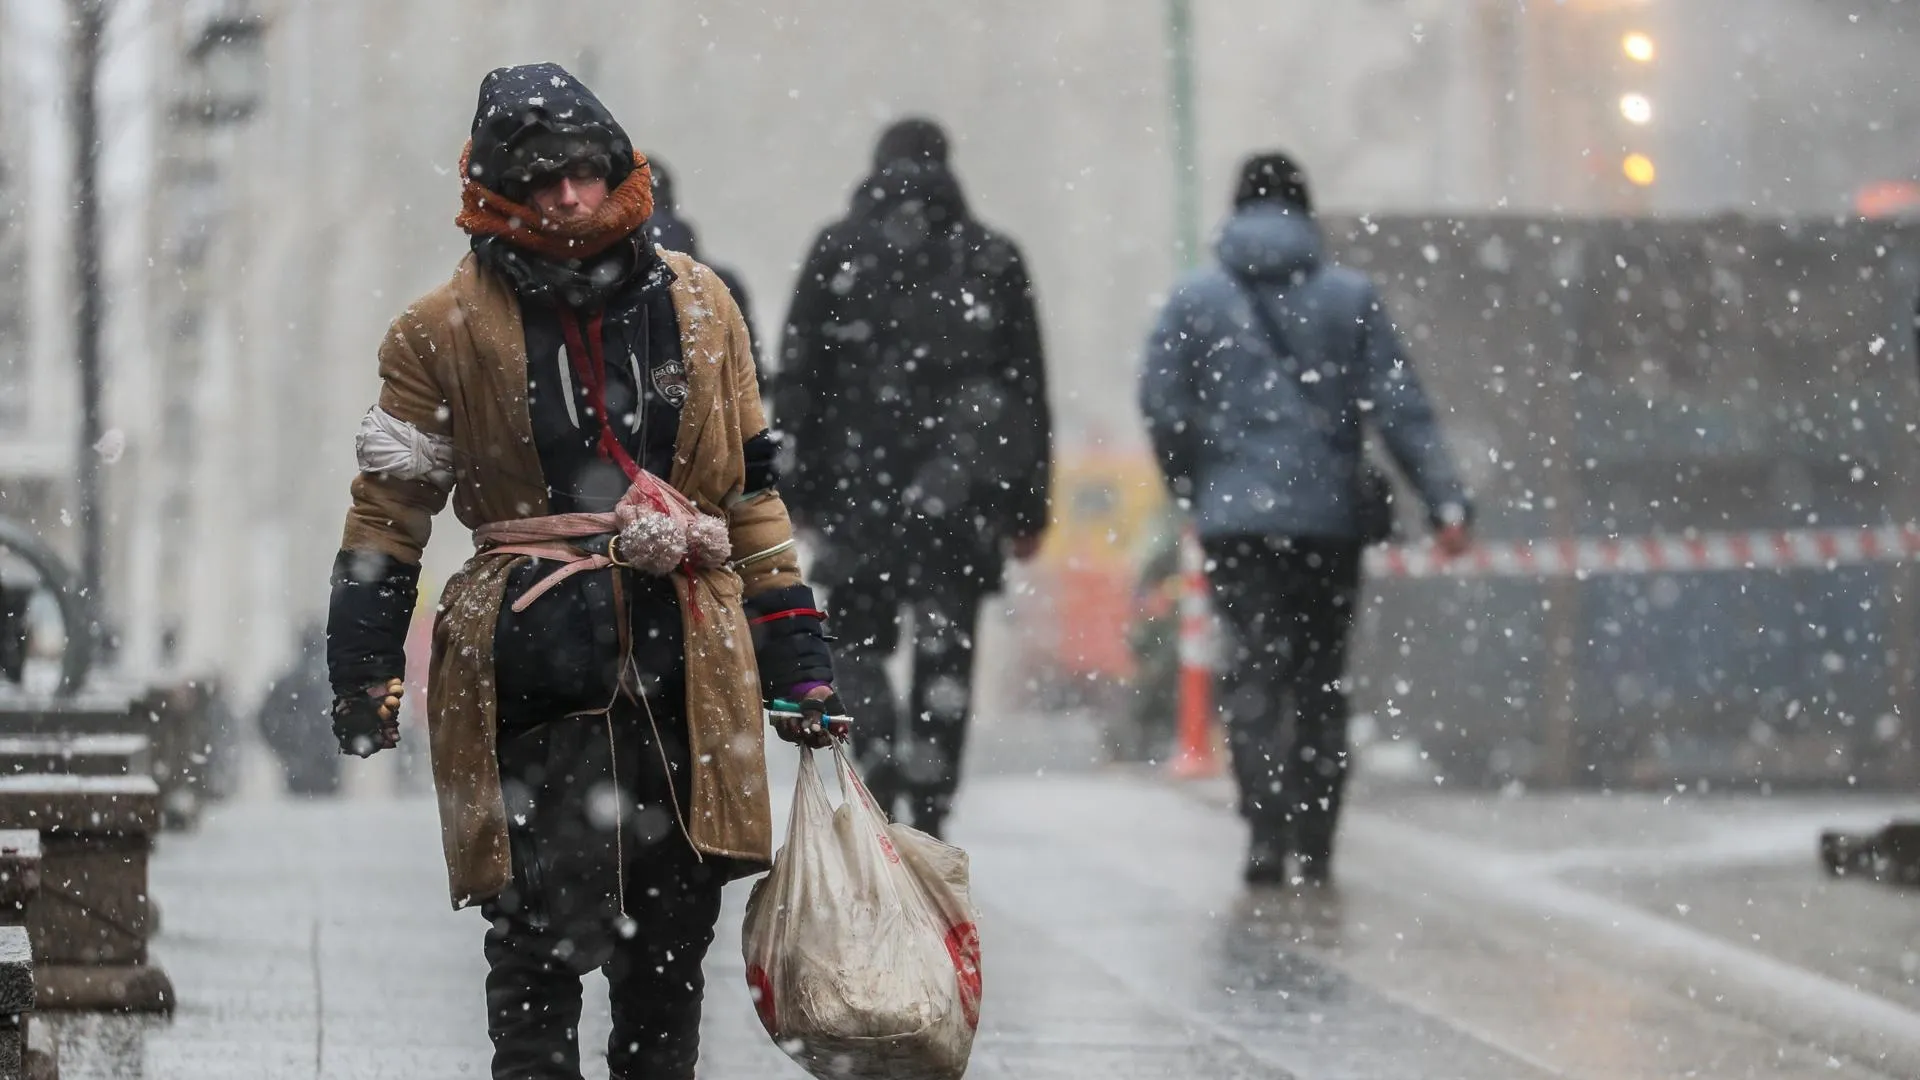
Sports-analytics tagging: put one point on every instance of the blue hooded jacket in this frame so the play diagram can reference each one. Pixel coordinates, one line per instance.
(1260, 438)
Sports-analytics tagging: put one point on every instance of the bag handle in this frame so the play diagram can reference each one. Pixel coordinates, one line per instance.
(851, 786)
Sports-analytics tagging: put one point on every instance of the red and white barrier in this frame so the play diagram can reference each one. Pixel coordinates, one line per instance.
(1786, 549)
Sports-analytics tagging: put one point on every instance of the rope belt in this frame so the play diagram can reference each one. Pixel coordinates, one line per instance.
(550, 537)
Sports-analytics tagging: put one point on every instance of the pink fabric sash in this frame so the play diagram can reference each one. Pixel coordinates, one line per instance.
(546, 537)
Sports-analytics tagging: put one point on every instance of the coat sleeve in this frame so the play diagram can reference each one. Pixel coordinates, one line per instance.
(1170, 394)
(1023, 377)
(802, 383)
(392, 513)
(375, 580)
(789, 635)
(1402, 414)
(757, 520)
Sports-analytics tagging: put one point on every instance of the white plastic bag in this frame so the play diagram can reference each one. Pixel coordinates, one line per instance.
(862, 951)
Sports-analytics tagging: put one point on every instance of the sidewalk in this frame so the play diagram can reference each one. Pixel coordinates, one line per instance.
(1471, 937)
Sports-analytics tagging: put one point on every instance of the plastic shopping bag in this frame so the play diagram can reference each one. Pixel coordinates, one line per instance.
(862, 951)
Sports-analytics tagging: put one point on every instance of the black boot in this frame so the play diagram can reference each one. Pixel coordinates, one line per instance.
(882, 778)
(533, 1004)
(1267, 854)
(930, 816)
(1313, 854)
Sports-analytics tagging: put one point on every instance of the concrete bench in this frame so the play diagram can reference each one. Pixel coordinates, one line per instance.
(173, 720)
(20, 1039)
(90, 921)
(16, 1000)
(81, 755)
(27, 1050)
(19, 874)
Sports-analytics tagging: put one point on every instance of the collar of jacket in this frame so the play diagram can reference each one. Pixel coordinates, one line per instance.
(576, 283)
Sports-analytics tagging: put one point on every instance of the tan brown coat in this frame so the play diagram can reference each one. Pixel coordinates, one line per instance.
(455, 364)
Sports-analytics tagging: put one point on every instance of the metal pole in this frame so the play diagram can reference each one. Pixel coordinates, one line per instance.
(89, 20)
(1186, 167)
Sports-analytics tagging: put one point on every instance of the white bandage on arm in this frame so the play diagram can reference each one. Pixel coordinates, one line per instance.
(392, 447)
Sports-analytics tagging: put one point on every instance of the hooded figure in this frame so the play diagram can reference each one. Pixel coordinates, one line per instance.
(912, 390)
(675, 233)
(587, 402)
(1256, 382)
(308, 757)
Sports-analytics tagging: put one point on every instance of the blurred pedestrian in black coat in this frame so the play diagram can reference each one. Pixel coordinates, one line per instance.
(913, 393)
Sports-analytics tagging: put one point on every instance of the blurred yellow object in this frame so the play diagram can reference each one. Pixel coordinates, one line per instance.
(1104, 506)
(1638, 169)
(1638, 45)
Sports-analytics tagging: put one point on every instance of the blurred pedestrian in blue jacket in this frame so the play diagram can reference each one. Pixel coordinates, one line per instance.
(1261, 378)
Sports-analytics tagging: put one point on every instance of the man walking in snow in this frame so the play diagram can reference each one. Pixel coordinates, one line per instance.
(913, 391)
(1260, 377)
(587, 401)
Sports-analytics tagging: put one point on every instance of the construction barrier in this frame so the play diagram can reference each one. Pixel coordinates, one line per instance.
(1199, 645)
(1781, 549)
(1712, 420)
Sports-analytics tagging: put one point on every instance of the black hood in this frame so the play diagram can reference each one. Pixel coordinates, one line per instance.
(673, 232)
(666, 226)
(537, 120)
(909, 202)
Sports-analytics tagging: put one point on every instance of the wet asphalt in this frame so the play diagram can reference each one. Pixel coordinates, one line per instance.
(1470, 935)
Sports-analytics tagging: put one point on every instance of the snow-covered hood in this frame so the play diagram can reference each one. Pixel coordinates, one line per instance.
(1268, 242)
(532, 120)
(928, 188)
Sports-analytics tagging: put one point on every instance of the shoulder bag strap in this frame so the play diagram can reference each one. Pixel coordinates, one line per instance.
(1282, 347)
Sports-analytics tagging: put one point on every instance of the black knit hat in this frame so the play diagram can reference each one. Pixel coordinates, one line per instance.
(916, 139)
(1272, 177)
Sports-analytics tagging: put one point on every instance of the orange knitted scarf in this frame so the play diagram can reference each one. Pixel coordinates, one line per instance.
(486, 213)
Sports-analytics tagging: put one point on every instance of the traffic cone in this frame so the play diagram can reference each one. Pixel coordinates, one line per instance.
(1195, 758)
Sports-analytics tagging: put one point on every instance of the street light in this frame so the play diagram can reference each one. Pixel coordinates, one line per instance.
(1638, 45)
(1636, 108)
(1639, 170)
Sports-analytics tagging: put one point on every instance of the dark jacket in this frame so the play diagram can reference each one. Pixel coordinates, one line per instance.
(911, 386)
(291, 717)
(561, 654)
(1266, 441)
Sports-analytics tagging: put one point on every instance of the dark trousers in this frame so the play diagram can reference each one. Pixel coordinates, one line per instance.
(916, 757)
(562, 917)
(1288, 606)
